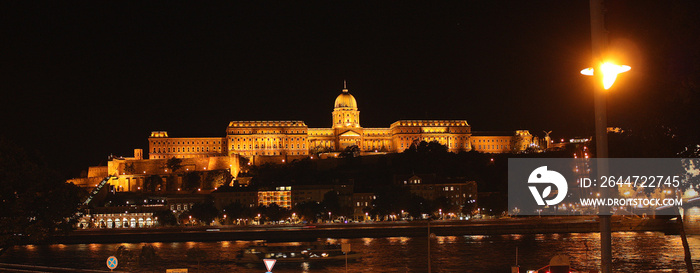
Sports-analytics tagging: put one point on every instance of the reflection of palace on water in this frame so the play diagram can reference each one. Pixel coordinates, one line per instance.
(274, 141)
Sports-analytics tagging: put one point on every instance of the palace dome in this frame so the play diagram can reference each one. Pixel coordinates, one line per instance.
(345, 100)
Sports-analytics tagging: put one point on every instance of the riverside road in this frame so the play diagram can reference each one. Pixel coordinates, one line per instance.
(289, 232)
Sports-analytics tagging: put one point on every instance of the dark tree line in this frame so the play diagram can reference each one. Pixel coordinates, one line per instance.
(394, 200)
(35, 203)
(191, 181)
(309, 211)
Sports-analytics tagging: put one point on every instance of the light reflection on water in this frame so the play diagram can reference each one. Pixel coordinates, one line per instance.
(632, 252)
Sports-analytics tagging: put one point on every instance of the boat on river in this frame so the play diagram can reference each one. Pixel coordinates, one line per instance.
(558, 264)
(285, 253)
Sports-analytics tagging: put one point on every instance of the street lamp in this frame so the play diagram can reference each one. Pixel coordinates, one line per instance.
(609, 72)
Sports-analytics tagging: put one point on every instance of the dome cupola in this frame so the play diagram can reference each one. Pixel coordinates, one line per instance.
(345, 99)
(345, 113)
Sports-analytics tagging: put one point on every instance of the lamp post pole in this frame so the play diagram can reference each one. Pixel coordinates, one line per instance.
(429, 262)
(599, 43)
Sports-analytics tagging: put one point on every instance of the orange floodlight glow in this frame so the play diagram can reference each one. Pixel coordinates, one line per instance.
(610, 72)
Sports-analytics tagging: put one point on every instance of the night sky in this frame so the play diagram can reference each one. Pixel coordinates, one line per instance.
(83, 80)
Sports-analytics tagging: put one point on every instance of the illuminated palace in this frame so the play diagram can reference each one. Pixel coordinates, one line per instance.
(276, 141)
(281, 141)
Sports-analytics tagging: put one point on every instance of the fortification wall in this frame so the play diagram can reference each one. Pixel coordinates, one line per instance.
(97, 171)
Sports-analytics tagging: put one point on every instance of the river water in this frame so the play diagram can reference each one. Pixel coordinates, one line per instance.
(632, 252)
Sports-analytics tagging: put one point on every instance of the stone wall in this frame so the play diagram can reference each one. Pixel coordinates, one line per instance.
(131, 173)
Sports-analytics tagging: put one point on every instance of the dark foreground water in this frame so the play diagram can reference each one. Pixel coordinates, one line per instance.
(632, 252)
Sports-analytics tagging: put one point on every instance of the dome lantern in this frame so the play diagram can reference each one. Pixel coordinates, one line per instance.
(345, 99)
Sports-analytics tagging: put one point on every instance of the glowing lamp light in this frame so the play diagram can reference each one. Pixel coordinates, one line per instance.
(690, 193)
(610, 72)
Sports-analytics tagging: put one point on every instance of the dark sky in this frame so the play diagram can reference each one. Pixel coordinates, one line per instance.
(84, 80)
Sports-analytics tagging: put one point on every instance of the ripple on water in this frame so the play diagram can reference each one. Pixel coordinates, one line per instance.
(633, 252)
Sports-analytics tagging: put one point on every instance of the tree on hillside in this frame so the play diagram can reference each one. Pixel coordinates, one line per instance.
(191, 181)
(319, 150)
(436, 147)
(469, 208)
(274, 212)
(350, 152)
(308, 211)
(428, 157)
(153, 183)
(170, 183)
(174, 164)
(236, 210)
(331, 203)
(129, 168)
(390, 200)
(216, 179)
(165, 218)
(36, 203)
(443, 203)
(424, 148)
(243, 163)
(417, 206)
(205, 212)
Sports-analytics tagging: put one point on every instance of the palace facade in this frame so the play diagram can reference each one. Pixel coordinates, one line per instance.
(273, 141)
(281, 141)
